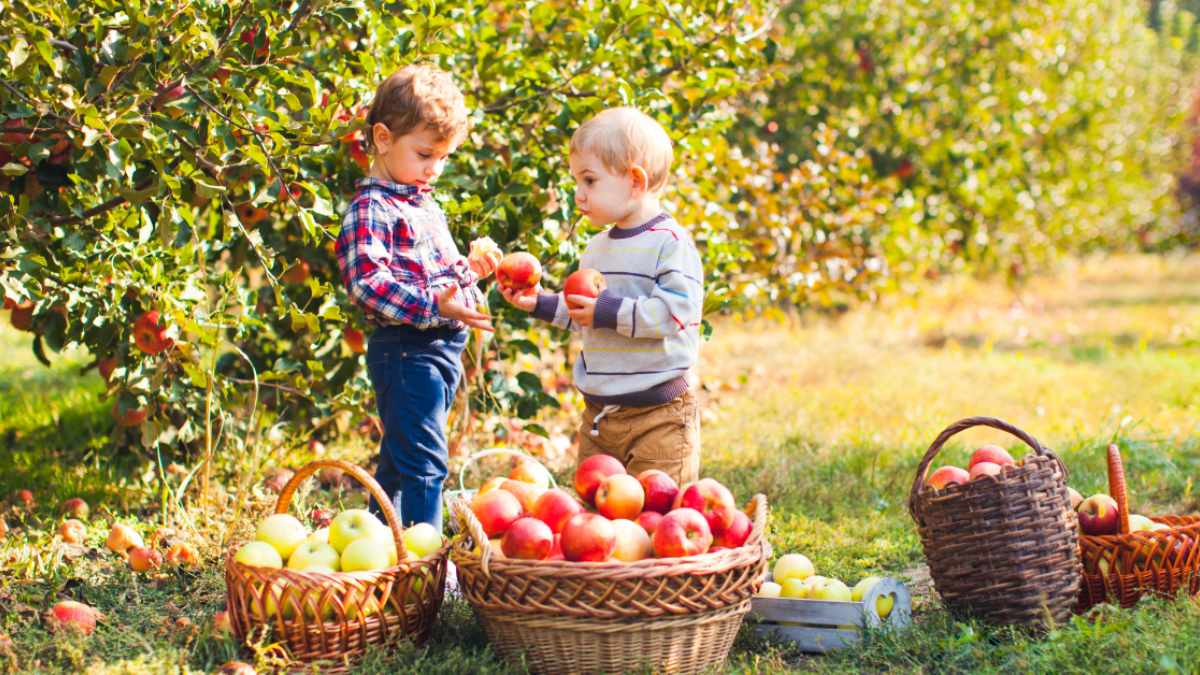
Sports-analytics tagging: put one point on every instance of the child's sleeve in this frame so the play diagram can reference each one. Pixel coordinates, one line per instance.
(675, 304)
(552, 308)
(365, 256)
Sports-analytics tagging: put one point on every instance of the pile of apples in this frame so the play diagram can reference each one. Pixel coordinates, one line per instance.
(1098, 516)
(617, 518)
(987, 460)
(795, 577)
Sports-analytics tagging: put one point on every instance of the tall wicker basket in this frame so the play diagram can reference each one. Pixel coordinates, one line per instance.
(334, 617)
(1124, 566)
(1001, 548)
(675, 615)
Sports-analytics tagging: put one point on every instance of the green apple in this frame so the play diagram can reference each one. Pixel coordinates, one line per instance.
(382, 533)
(769, 589)
(283, 531)
(350, 526)
(830, 589)
(814, 580)
(792, 566)
(259, 554)
(1139, 523)
(422, 539)
(326, 609)
(312, 553)
(365, 554)
(320, 535)
(883, 604)
(321, 569)
(278, 593)
(793, 588)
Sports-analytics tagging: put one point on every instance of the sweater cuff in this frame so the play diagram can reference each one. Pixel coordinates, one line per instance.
(607, 307)
(547, 307)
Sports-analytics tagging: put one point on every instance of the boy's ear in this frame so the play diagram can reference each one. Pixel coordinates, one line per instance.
(641, 180)
(382, 136)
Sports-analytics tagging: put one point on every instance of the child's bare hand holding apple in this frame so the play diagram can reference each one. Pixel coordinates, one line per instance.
(581, 309)
(484, 257)
(525, 299)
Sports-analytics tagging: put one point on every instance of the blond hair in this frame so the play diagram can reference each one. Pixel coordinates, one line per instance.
(622, 138)
(417, 97)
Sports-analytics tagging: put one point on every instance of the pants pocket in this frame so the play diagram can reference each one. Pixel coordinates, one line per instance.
(378, 369)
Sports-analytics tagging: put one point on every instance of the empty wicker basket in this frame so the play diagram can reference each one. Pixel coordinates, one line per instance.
(1001, 548)
(674, 615)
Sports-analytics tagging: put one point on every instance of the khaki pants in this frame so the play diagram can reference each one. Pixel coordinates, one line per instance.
(665, 437)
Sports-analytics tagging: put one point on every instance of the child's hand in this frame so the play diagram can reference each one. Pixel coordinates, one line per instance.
(586, 314)
(449, 308)
(526, 299)
(484, 257)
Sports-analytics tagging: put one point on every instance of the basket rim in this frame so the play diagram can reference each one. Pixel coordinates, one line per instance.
(1188, 529)
(401, 567)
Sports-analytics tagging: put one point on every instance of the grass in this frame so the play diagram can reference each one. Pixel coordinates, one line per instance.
(827, 417)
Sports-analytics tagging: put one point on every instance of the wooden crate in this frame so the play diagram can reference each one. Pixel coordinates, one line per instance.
(819, 619)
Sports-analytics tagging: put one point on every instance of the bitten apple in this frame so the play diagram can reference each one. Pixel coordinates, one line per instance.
(713, 501)
(586, 282)
(554, 508)
(681, 533)
(496, 510)
(592, 472)
(660, 490)
(519, 271)
(588, 537)
(527, 539)
(1098, 515)
(947, 476)
(149, 335)
(620, 496)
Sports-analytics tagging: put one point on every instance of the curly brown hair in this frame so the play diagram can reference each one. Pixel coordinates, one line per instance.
(417, 97)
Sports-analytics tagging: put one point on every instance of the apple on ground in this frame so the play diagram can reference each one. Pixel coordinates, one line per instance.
(496, 511)
(792, 566)
(149, 335)
(947, 476)
(736, 534)
(592, 472)
(586, 282)
(73, 531)
(320, 518)
(526, 493)
(259, 554)
(981, 469)
(283, 531)
(1098, 515)
(531, 472)
(330, 476)
(132, 416)
(144, 559)
(122, 537)
(649, 521)
(312, 553)
(236, 668)
(769, 589)
(588, 537)
(223, 623)
(72, 615)
(21, 499)
(660, 490)
(527, 539)
(620, 496)
(990, 453)
(555, 507)
(1076, 498)
(76, 508)
(713, 501)
(351, 525)
(422, 539)
(365, 554)
(277, 479)
(182, 555)
(519, 271)
(681, 533)
(633, 543)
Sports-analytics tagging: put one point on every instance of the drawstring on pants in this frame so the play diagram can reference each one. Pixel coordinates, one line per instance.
(596, 420)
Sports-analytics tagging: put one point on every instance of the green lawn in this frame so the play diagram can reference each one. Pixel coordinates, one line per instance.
(827, 417)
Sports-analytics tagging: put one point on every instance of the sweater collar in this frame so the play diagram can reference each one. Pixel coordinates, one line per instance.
(409, 192)
(619, 233)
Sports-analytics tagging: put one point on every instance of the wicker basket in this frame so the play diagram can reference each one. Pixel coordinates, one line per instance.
(1162, 562)
(360, 608)
(676, 615)
(1001, 548)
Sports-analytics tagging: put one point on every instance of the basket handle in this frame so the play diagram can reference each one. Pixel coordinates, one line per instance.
(1120, 492)
(462, 473)
(963, 425)
(389, 512)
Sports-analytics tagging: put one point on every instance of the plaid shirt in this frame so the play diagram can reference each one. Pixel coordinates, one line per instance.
(396, 253)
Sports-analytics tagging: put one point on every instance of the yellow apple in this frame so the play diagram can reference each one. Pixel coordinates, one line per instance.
(365, 554)
(793, 588)
(1139, 523)
(283, 531)
(278, 593)
(633, 543)
(382, 533)
(314, 553)
(769, 589)
(422, 539)
(259, 554)
(320, 535)
(830, 589)
(792, 566)
(883, 604)
(350, 526)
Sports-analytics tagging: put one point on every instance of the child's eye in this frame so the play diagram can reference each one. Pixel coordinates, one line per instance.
(589, 181)
(424, 155)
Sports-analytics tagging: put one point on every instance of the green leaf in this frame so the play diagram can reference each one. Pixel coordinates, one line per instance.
(54, 330)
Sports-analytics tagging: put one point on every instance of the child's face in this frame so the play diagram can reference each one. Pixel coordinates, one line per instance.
(416, 158)
(601, 195)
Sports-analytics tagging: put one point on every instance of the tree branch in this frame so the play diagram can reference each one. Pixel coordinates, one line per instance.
(498, 107)
(108, 205)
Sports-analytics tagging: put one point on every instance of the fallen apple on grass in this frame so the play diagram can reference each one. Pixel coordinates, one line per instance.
(76, 508)
(73, 531)
(122, 537)
(144, 559)
(71, 615)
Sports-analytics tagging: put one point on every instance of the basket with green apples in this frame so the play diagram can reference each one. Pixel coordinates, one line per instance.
(330, 593)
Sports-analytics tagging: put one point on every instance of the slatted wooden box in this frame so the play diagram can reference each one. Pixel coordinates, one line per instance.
(813, 624)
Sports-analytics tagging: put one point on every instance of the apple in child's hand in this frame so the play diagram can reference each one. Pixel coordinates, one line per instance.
(681, 533)
(620, 496)
(259, 554)
(990, 453)
(531, 472)
(422, 539)
(73, 531)
(1098, 515)
(589, 538)
(592, 472)
(736, 534)
(519, 271)
(660, 490)
(144, 559)
(586, 282)
(283, 531)
(649, 520)
(981, 469)
(713, 500)
(947, 476)
(496, 511)
(554, 508)
(633, 543)
(527, 539)
(526, 493)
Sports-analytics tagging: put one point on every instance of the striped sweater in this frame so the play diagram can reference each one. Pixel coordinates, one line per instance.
(646, 332)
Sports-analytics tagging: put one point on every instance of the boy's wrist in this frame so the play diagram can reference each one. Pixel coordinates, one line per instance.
(546, 307)
(607, 308)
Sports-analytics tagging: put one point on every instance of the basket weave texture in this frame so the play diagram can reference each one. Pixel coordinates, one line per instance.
(357, 609)
(677, 615)
(1001, 548)
(1161, 562)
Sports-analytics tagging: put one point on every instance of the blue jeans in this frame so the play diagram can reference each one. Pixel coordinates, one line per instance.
(415, 375)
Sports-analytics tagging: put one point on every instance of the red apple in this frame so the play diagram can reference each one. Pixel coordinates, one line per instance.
(21, 499)
(554, 508)
(75, 616)
(22, 315)
(528, 539)
(491, 484)
(76, 508)
(526, 493)
(681, 533)
(588, 537)
(354, 339)
(592, 472)
(496, 510)
(358, 153)
(556, 552)
(713, 501)
(586, 282)
(981, 469)
(132, 417)
(320, 518)
(660, 490)
(679, 495)
(531, 472)
(990, 453)
(144, 559)
(165, 96)
(223, 623)
(1098, 515)
(72, 531)
(248, 37)
(182, 555)
(649, 520)
(296, 274)
(736, 534)
(330, 476)
(947, 476)
(277, 479)
(122, 537)
(620, 497)
(519, 271)
(222, 74)
(250, 214)
(106, 367)
(149, 336)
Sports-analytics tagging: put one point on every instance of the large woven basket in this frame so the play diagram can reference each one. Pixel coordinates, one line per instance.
(1001, 548)
(674, 615)
(1162, 562)
(365, 608)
